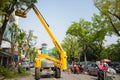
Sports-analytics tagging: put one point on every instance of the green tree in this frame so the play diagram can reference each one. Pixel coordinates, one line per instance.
(24, 41)
(110, 9)
(82, 31)
(30, 41)
(70, 45)
(6, 9)
(17, 36)
(14, 31)
(55, 53)
(100, 31)
(33, 53)
(20, 42)
(90, 36)
(112, 52)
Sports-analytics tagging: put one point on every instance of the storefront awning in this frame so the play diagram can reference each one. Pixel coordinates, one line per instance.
(5, 44)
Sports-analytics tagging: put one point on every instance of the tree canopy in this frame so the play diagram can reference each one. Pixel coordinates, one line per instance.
(7, 7)
(110, 9)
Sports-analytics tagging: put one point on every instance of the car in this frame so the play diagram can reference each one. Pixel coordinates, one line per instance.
(115, 65)
(117, 69)
(92, 69)
(85, 64)
(26, 65)
(31, 64)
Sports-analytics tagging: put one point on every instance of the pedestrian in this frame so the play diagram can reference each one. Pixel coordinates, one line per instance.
(77, 69)
(19, 68)
(73, 67)
(80, 68)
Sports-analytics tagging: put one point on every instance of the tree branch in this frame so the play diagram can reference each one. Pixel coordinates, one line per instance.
(114, 15)
(3, 27)
(115, 29)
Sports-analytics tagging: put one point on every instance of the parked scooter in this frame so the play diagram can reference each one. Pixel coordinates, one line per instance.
(110, 74)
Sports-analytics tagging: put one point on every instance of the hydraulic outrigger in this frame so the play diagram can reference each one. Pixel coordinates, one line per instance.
(59, 64)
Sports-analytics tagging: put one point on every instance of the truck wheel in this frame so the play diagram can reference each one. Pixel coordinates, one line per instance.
(37, 73)
(57, 73)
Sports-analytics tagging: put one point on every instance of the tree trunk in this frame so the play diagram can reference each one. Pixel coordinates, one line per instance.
(3, 27)
(85, 59)
(85, 51)
(27, 55)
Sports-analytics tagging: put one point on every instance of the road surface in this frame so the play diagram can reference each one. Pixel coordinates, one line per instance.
(64, 76)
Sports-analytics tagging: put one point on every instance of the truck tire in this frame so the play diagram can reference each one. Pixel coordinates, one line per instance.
(57, 73)
(37, 73)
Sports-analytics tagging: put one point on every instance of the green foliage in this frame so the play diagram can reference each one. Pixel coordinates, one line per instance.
(29, 42)
(10, 74)
(71, 46)
(3, 5)
(111, 10)
(7, 73)
(108, 6)
(6, 9)
(14, 33)
(22, 39)
(100, 26)
(55, 53)
(90, 36)
(83, 31)
(103, 27)
(33, 54)
(112, 52)
(18, 4)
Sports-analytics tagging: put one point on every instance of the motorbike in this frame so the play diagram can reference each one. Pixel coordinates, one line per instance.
(110, 74)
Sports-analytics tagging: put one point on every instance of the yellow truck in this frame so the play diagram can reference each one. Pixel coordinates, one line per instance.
(58, 64)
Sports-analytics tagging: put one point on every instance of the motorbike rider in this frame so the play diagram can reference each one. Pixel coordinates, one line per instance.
(103, 67)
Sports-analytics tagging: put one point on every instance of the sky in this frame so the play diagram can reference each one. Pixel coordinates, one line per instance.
(59, 14)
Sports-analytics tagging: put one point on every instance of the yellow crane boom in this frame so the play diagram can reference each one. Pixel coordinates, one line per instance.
(60, 63)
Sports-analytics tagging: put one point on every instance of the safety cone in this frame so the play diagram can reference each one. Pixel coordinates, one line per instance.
(69, 71)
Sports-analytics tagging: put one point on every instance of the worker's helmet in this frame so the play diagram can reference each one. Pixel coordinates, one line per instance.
(105, 64)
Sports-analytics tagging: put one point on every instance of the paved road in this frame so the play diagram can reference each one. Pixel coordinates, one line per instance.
(65, 76)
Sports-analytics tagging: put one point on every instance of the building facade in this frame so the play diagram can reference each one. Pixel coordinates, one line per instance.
(5, 51)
